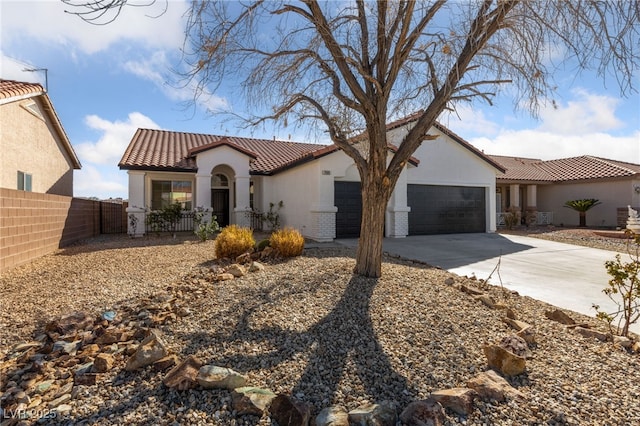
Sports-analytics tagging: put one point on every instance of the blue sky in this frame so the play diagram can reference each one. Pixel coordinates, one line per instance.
(107, 81)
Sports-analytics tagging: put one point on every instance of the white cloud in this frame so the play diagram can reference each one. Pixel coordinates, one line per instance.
(156, 69)
(587, 113)
(91, 181)
(581, 126)
(48, 23)
(115, 138)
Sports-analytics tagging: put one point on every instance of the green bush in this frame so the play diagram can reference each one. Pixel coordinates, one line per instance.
(233, 241)
(623, 289)
(262, 245)
(287, 242)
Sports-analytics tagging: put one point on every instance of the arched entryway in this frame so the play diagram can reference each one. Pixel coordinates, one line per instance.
(220, 197)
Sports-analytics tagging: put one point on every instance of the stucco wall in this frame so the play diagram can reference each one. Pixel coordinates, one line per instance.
(30, 144)
(612, 194)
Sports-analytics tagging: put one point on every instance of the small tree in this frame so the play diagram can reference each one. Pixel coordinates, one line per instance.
(582, 206)
(625, 282)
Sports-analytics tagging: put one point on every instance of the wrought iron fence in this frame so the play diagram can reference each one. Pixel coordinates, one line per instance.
(542, 218)
(186, 223)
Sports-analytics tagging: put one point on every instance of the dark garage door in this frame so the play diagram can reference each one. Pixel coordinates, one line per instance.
(348, 200)
(445, 209)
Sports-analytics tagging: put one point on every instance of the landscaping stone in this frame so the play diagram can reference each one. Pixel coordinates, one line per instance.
(251, 400)
(516, 345)
(504, 361)
(490, 386)
(149, 351)
(334, 415)
(559, 316)
(459, 400)
(382, 414)
(428, 412)
(213, 377)
(592, 334)
(236, 270)
(288, 411)
(183, 376)
(103, 363)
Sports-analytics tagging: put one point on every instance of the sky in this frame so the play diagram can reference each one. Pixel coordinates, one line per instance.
(107, 81)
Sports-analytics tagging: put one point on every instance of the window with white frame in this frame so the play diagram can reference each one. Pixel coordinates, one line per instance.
(24, 181)
(167, 192)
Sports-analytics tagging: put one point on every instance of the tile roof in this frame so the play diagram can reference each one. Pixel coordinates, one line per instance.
(167, 150)
(11, 89)
(585, 167)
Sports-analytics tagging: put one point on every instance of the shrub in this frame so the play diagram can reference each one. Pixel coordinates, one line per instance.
(203, 229)
(625, 285)
(287, 242)
(234, 241)
(262, 245)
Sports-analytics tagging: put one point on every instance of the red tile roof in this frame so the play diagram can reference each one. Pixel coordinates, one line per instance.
(166, 150)
(12, 89)
(585, 167)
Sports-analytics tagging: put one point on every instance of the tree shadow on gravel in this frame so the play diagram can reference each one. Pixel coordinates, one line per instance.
(341, 347)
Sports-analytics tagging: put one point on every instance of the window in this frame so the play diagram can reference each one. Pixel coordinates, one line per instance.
(167, 192)
(219, 180)
(24, 181)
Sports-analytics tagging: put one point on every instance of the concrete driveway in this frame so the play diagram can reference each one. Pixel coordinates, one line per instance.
(564, 275)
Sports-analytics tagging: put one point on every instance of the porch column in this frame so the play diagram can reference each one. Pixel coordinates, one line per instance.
(397, 214)
(323, 212)
(514, 196)
(203, 195)
(136, 209)
(242, 201)
(532, 202)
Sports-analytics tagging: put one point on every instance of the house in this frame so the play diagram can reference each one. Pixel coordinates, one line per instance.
(37, 155)
(538, 189)
(447, 187)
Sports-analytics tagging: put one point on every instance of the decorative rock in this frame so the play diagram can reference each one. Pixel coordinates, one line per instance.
(149, 351)
(427, 412)
(87, 379)
(636, 347)
(623, 341)
(68, 324)
(383, 414)
(471, 290)
(516, 345)
(515, 324)
(490, 386)
(236, 270)
(332, 416)
(504, 361)
(60, 400)
(266, 253)
(164, 363)
(528, 334)
(589, 333)
(224, 277)
(243, 258)
(183, 376)
(486, 300)
(251, 400)
(256, 267)
(213, 377)
(459, 400)
(62, 410)
(449, 281)
(103, 363)
(43, 387)
(70, 348)
(290, 412)
(559, 316)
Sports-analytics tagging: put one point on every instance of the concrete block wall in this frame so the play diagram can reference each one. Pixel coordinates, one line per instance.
(34, 224)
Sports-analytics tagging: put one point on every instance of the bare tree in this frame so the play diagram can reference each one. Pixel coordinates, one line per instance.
(102, 12)
(351, 67)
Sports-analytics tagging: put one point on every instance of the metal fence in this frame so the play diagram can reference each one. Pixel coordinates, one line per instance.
(183, 225)
(113, 217)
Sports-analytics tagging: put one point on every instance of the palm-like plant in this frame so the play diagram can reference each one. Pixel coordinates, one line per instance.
(581, 206)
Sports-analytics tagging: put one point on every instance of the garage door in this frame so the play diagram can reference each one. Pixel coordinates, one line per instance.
(445, 209)
(348, 200)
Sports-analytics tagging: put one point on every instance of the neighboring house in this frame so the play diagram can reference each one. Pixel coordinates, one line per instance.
(447, 187)
(36, 153)
(539, 189)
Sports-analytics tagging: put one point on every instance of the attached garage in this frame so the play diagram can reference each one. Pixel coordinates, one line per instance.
(437, 209)
(348, 200)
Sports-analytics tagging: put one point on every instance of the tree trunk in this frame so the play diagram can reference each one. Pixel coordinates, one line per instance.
(583, 220)
(375, 197)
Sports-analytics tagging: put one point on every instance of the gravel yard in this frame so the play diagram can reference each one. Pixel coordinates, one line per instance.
(309, 328)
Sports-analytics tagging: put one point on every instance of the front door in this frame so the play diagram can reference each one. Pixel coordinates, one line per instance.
(220, 205)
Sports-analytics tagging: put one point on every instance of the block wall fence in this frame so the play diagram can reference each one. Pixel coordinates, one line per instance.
(34, 224)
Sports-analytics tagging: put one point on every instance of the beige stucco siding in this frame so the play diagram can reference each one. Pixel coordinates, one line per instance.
(29, 143)
(612, 194)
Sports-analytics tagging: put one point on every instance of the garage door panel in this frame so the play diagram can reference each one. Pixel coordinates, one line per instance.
(445, 209)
